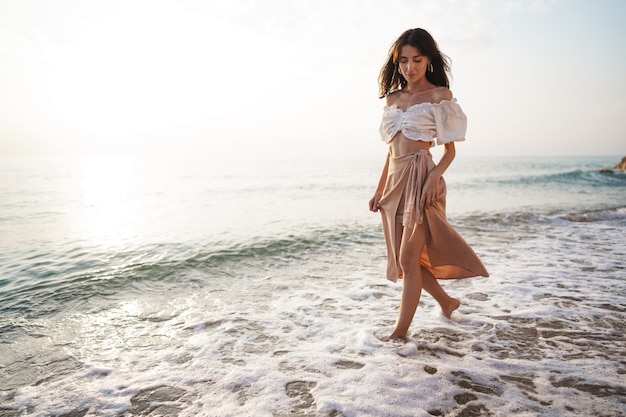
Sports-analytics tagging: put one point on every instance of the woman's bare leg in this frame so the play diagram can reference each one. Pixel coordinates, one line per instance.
(431, 285)
(412, 282)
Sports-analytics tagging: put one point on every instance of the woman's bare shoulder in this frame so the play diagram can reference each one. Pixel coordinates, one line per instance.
(441, 93)
(392, 98)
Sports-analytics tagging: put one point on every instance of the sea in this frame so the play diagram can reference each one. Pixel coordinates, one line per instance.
(168, 286)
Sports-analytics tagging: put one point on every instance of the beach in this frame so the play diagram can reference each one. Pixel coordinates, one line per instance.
(133, 287)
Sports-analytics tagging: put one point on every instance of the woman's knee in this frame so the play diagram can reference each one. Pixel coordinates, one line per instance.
(410, 265)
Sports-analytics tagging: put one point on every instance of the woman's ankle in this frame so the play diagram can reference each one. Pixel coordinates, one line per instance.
(450, 306)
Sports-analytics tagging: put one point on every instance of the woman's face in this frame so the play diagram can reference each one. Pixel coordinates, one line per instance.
(412, 63)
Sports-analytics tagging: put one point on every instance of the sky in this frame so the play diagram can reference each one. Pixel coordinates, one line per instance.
(298, 78)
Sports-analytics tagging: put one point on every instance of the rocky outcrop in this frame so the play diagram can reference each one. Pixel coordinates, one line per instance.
(619, 167)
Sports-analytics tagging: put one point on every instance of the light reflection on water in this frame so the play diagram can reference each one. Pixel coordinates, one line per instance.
(132, 330)
(113, 201)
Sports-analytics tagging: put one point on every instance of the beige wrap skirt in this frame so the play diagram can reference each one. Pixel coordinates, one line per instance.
(446, 254)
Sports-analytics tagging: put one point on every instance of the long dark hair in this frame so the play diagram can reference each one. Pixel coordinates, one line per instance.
(390, 78)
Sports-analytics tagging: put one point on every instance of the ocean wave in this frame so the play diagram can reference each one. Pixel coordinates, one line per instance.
(41, 283)
(536, 217)
(496, 220)
(573, 177)
(618, 213)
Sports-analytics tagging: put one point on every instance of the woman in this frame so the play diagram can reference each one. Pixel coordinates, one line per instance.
(420, 109)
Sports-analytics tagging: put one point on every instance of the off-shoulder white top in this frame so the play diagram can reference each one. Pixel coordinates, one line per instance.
(444, 121)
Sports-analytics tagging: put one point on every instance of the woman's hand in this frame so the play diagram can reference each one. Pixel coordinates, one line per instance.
(432, 185)
(430, 190)
(374, 206)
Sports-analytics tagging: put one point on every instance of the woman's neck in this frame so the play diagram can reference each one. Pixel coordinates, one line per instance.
(419, 86)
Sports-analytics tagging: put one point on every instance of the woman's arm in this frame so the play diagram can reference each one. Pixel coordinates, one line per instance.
(381, 187)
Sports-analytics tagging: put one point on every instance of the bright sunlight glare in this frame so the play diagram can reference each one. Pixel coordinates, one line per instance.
(119, 79)
(106, 195)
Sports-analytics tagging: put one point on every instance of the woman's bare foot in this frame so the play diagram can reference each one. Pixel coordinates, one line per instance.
(450, 307)
(394, 336)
